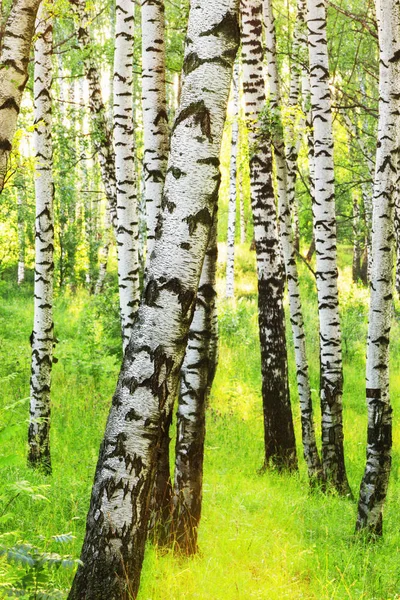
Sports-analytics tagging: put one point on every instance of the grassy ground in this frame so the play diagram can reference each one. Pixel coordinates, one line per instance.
(262, 536)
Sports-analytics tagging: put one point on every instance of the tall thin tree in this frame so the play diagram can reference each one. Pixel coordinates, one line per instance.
(289, 251)
(155, 117)
(42, 338)
(375, 481)
(124, 141)
(280, 447)
(331, 387)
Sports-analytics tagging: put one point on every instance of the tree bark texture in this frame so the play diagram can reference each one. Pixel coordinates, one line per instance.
(42, 338)
(197, 375)
(230, 259)
(310, 450)
(280, 447)
(124, 141)
(102, 136)
(14, 60)
(155, 117)
(375, 481)
(116, 529)
(331, 388)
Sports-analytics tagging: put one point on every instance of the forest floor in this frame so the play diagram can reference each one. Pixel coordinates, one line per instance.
(261, 536)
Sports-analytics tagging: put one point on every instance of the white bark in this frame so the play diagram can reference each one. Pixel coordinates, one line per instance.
(230, 260)
(124, 141)
(155, 118)
(296, 314)
(21, 233)
(379, 443)
(102, 136)
(197, 375)
(331, 389)
(42, 338)
(14, 60)
(280, 448)
(117, 521)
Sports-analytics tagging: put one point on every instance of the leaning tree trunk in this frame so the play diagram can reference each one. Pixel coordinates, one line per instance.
(116, 528)
(155, 117)
(311, 455)
(357, 237)
(197, 374)
(124, 139)
(331, 389)
(230, 259)
(280, 447)
(14, 61)
(379, 440)
(42, 337)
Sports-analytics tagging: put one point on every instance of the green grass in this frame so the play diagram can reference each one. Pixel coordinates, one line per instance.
(262, 536)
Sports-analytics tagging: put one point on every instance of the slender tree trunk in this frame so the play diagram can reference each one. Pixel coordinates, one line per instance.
(102, 137)
(280, 447)
(292, 134)
(14, 60)
(116, 530)
(289, 252)
(241, 208)
(357, 252)
(21, 232)
(331, 389)
(155, 117)
(379, 440)
(230, 260)
(197, 375)
(397, 236)
(42, 337)
(124, 139)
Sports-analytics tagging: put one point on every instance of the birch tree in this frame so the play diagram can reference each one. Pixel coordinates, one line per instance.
(42, 337)
(197, 375)
(331, 386)
(289, 252)
(379, 440)
(116, 528)
(280, 448)
(230, 260)
(14, 60)
(124, 140)
(155, 117)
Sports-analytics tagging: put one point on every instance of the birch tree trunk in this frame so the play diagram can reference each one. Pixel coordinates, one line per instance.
(14, 61)
(230, 260)
(280, 448)
(21, 232)
(155, 117)
(197, 375)
(331, 388)
(42, 337)
(116, 528)
(289, 252)
(379, 440)
(103, 140)
(124, 140)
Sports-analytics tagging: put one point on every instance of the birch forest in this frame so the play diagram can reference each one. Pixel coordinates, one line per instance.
(199, 299)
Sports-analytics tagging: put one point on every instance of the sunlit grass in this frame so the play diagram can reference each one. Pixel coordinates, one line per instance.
(265, 536)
